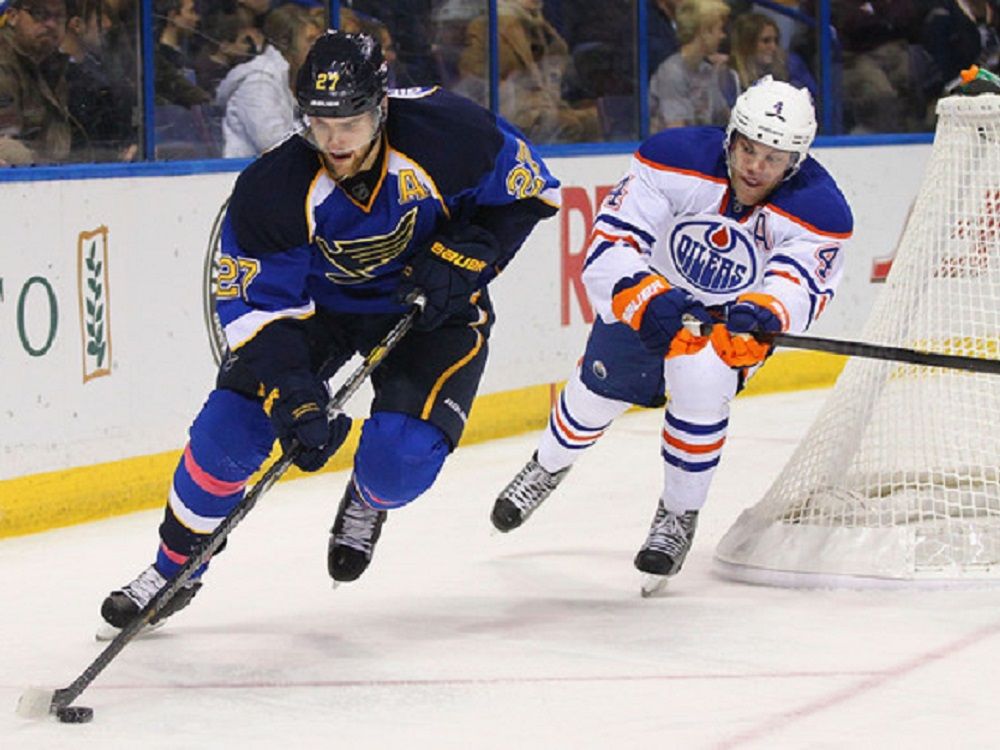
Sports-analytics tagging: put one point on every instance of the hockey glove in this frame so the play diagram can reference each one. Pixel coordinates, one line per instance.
(448, 272)
(296, 405)
(650, 306)
(743, 341)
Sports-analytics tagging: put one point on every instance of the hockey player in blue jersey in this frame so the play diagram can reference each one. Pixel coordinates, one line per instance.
(325, 238)
(740, 228)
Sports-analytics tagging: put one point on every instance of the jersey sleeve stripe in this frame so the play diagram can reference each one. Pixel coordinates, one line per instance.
(625, 226)
(613, 238)
(551, 197)
(800, 271)
(596, 252)
(785, 275)
(807, 225)
(245, 327)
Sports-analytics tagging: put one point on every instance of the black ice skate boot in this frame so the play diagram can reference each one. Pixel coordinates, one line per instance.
(123, 605)
(353, 536)
(670, 537)
(524, 494)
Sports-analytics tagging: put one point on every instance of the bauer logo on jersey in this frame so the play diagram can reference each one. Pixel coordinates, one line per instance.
(356, 261)
(714, 257)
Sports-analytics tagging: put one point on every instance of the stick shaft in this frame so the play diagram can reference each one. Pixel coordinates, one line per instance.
(64, 696)
(862, 349)
(891, 353)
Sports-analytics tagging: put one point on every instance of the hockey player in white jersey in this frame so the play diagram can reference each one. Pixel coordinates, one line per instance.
(739, 227)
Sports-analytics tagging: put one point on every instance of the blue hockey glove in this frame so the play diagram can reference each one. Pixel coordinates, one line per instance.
(448, 271)
(649, 305)
(755, 313)
(296, 404)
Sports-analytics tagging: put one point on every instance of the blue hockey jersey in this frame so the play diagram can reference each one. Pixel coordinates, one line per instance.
(295, 241)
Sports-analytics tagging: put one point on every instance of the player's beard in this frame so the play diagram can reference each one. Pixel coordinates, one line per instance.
(357, 161)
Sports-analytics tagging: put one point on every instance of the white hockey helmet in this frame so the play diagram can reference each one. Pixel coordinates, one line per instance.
(776, 114)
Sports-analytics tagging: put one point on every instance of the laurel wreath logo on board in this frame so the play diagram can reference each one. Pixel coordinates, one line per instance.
(95, 316)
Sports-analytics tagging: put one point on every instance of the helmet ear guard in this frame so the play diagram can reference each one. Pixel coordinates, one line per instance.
(776, 114)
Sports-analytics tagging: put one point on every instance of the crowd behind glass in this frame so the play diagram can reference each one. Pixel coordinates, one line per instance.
(567, 71)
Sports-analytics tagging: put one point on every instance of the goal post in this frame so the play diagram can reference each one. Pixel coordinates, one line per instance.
(897, 482)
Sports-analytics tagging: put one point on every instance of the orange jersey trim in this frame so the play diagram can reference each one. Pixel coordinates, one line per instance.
(678, 170)
(613, 238)
(807, 225)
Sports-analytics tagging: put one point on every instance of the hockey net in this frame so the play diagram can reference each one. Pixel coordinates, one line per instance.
(898, 479)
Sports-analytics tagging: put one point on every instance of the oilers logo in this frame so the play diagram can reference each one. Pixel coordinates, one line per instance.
(713, 256)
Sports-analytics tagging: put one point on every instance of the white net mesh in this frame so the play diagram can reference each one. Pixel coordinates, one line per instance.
(899, 477)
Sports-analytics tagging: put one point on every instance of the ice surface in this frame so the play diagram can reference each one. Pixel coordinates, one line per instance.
(458, 637)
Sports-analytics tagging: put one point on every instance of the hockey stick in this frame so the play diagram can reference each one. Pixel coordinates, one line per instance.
(891, 353)
(37, 702)
(861, 349)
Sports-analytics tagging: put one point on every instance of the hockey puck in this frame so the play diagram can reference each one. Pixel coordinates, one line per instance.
(74, 714)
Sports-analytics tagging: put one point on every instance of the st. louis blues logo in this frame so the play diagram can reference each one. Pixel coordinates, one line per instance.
(358, 260)
(713, 256)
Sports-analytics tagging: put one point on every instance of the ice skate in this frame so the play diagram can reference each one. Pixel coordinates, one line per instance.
(524, 494)
(353, 536)
(662, 555)
(123, 605)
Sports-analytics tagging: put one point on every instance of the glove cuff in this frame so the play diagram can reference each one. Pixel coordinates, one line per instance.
(629, 303)
(313, 395)
(771, 303)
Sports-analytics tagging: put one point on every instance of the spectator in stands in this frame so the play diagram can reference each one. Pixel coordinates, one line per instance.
(450, 21)
(408, 24)
(687, 88)
(661, 32)
(755, 50)
(175, 79)
(533, 61)
(885, 72)
(257, 95)
(960, 33)
(355, 22)
(186, 128)
(601, 38)
(256, 9)
(36, 126)
(105, 106)
(786, 24)
(118, 50)
(229, 39)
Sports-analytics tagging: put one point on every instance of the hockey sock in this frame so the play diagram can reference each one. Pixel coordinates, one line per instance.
(578, 419)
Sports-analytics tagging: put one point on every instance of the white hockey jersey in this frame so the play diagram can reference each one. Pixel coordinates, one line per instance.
(674, 213)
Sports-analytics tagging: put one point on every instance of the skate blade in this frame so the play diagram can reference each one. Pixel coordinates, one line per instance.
(107, 632)
(653, 585)
(35, 703)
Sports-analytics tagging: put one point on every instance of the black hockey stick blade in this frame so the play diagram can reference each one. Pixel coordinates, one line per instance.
(890, 353)
(32, 703)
